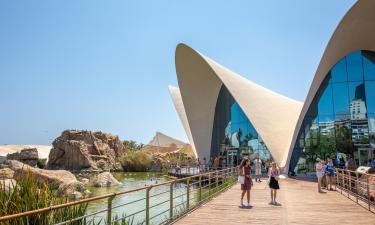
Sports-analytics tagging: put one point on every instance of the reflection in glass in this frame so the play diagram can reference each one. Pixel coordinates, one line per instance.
(338, 72)
(340, 101)
(340, 122)
(354, 66)
(371, 129)
(325, 104)
(233, 135)
(370, 94)
(368, 65)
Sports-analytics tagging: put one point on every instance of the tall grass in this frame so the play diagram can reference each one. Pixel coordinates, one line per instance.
(28, 195)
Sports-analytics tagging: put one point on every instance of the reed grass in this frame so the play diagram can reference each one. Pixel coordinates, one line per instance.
(28, 195)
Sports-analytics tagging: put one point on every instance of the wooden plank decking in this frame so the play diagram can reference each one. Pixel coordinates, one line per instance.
(301, 204)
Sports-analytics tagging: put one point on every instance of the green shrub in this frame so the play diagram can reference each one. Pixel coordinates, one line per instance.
(132, 145)
(41, 163)
(135, 161)
(28, 195)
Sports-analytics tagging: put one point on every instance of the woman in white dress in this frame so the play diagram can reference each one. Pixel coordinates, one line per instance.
(319, 167)
(258, 169)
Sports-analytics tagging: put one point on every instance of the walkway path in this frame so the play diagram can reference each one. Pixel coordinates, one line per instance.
(301, 204)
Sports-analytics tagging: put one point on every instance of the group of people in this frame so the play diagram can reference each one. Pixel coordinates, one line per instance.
(244, 177)
(325, 171)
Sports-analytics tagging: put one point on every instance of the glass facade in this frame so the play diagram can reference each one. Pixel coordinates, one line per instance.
(233, 136)
(341, 119)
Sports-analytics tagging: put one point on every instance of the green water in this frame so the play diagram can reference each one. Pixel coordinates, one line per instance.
(129, 181)
(132, 181)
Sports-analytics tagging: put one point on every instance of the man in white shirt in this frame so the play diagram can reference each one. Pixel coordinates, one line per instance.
(258, 169)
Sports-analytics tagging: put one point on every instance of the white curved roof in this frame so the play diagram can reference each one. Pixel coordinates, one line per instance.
(179, 106)
(356, 31)
(162, 140)
(274, 116)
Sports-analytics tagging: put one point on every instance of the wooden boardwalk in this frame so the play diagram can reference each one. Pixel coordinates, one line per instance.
(301, 204)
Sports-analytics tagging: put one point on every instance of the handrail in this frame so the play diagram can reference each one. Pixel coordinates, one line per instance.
(356, 184)
(111, 196)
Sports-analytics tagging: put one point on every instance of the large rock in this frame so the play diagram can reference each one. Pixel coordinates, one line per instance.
(28, 156)
(105, 179)
(62, 180)
(6, 173)
(72, 189)
(77, 150)
(2, 159)
(7, 185)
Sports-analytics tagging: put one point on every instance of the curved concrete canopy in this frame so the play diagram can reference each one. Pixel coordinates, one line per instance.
(179, 105)
(356, 31)
(274, 116)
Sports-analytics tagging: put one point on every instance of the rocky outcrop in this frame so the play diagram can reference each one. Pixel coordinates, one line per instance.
(157, 164)
(64, 181)
(74, 190)
(7, 185)
(6, 173)
(105, 179)
(85, 150)
(28, 156)
(2, 159)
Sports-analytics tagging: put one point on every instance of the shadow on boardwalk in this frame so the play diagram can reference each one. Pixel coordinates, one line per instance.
(301, 204)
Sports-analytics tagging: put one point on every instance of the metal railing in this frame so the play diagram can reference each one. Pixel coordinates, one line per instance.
(193, 170)
(159, 204)
(359, 187)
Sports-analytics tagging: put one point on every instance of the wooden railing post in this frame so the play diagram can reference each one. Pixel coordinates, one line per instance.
(188, 194)
(350, 182)
(171, 201)
(109, 210)
(343, 180)
(368, 191)
(356, 186)
(148, 205)
(337, 178)
(209, 183)
(217, 179)
(200, 189)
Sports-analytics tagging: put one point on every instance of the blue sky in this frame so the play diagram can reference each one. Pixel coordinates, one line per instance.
(106, 65)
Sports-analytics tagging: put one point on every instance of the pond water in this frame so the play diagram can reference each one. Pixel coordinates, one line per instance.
(136, 200)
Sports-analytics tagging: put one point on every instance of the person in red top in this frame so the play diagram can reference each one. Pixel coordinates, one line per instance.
(244, 170)
(216, 162)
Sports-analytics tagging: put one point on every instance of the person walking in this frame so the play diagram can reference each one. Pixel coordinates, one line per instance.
(319, 174)
(324, 184)
(258, 169)
(216, 162)
(330, 173)
(245, 171)
(273, 182)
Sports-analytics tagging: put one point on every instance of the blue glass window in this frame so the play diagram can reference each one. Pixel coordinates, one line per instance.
(370, 95)
(338, 72)
(233, 132)
(340, 100)
(340, 121)
(325, 105)
(371, 129)
(369, 65)
(357, 105)
(354, 66)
